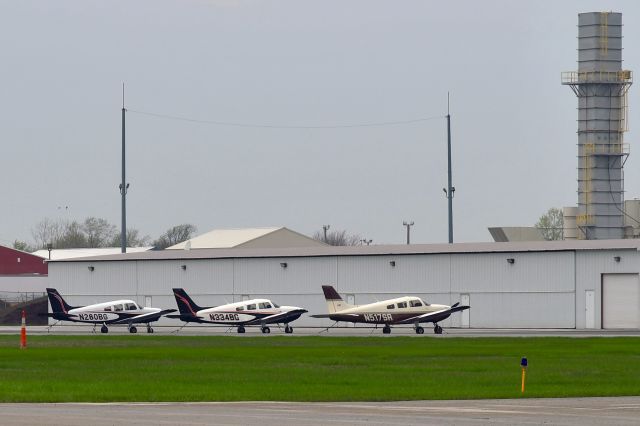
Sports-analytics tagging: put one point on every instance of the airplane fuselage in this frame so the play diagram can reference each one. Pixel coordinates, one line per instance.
(105, 313)
(255, 311)
(391, 311)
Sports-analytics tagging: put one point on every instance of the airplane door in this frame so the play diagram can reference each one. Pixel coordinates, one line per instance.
(147, 301)
(464, 315)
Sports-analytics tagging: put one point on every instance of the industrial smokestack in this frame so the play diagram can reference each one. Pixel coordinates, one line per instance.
(601, 86)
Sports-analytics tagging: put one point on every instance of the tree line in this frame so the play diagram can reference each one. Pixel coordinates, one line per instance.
(94, 232)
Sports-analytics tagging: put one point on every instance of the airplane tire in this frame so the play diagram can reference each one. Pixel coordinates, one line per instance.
(266, 330)
(419, 330)
(288, 329)
(133, 330)
(241, 329)
(386, 330)
(104, 329)
(149, 330)
(437, 329)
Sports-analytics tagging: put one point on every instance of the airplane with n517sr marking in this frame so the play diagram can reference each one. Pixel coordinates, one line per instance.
(239, 314)
(402, 310)
(113, 312)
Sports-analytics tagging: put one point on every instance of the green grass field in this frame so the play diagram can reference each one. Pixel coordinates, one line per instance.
(231, 368)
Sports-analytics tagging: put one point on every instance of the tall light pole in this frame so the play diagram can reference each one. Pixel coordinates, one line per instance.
(123, 186)
(450, 189)
(325, 228)
(408, 225)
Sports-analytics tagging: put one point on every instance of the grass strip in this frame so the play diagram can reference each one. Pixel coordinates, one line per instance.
(290, 368)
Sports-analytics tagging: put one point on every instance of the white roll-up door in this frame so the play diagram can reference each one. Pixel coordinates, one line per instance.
(620, 301)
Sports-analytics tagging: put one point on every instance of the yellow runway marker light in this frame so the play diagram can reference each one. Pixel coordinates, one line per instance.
(523, 364)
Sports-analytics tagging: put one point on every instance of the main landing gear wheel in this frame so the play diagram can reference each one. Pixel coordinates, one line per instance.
(133, 329)
(419, 330)
(104, 329)
(386, 330)
(149, 330)
(240, 329)
(266, 330)
(288, 329)
(437, 329)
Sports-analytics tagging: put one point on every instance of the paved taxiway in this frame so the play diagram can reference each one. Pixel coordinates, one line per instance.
(566, 411)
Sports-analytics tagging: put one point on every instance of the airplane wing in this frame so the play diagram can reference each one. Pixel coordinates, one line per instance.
(434, 316)
(144, 318)
(276, 317)
(335, 314)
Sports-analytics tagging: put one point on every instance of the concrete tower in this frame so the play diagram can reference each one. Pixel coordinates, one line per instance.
(601, 86)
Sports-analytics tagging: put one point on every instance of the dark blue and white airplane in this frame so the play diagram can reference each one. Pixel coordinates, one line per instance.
(124, 312)
(239, 314)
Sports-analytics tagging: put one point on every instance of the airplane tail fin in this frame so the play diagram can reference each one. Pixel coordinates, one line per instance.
(185, 304)
(334, 301)
(58, 304)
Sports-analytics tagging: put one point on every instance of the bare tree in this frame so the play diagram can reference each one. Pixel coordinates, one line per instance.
(98, 232)
(551, 224)
(48, 231)
(175, 235)
(23, 246)
(134, 239)
(338, 238)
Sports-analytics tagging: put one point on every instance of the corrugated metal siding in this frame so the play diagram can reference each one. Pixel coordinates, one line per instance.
(589, 269)
(412, 273)
(530, 272)
(203, 276)
(266, 276)
(522, 310)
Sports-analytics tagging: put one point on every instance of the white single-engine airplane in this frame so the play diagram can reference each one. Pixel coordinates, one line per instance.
(114, 312)
(403, 310)
(239, 314)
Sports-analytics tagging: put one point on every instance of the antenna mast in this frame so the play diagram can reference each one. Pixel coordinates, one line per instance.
(450, 188)
(123, 186)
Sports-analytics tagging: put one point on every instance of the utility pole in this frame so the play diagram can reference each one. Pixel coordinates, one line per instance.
(124, 186)
(325, 228)
(408, 225)
(448, 192)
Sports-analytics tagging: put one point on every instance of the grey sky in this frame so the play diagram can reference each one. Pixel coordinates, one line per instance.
(297, 63)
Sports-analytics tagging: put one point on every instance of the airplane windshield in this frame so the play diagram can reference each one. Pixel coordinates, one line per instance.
(415, 303)
(275, 305)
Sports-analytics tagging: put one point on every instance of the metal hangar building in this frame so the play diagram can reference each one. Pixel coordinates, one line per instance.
(572, 284)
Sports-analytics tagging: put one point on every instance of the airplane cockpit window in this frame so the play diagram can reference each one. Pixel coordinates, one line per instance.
(240, 308)
(118, 308)
(402, 305)
(251, 307)
(415, 303)
(268, 305)
(264, 305)
(131, 307)
(275, 305)
(108, 309)
(391, 306)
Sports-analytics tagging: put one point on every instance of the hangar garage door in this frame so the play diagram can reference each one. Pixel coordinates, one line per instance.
(620, 301)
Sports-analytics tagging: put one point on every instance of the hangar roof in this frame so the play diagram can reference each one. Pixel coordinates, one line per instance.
(373, 250)
(248, 237)
(62, 254)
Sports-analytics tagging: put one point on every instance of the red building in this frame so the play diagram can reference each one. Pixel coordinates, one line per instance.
(22, 272)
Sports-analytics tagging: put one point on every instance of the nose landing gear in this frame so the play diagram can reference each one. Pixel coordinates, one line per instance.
(437, 329)
(288, 329)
